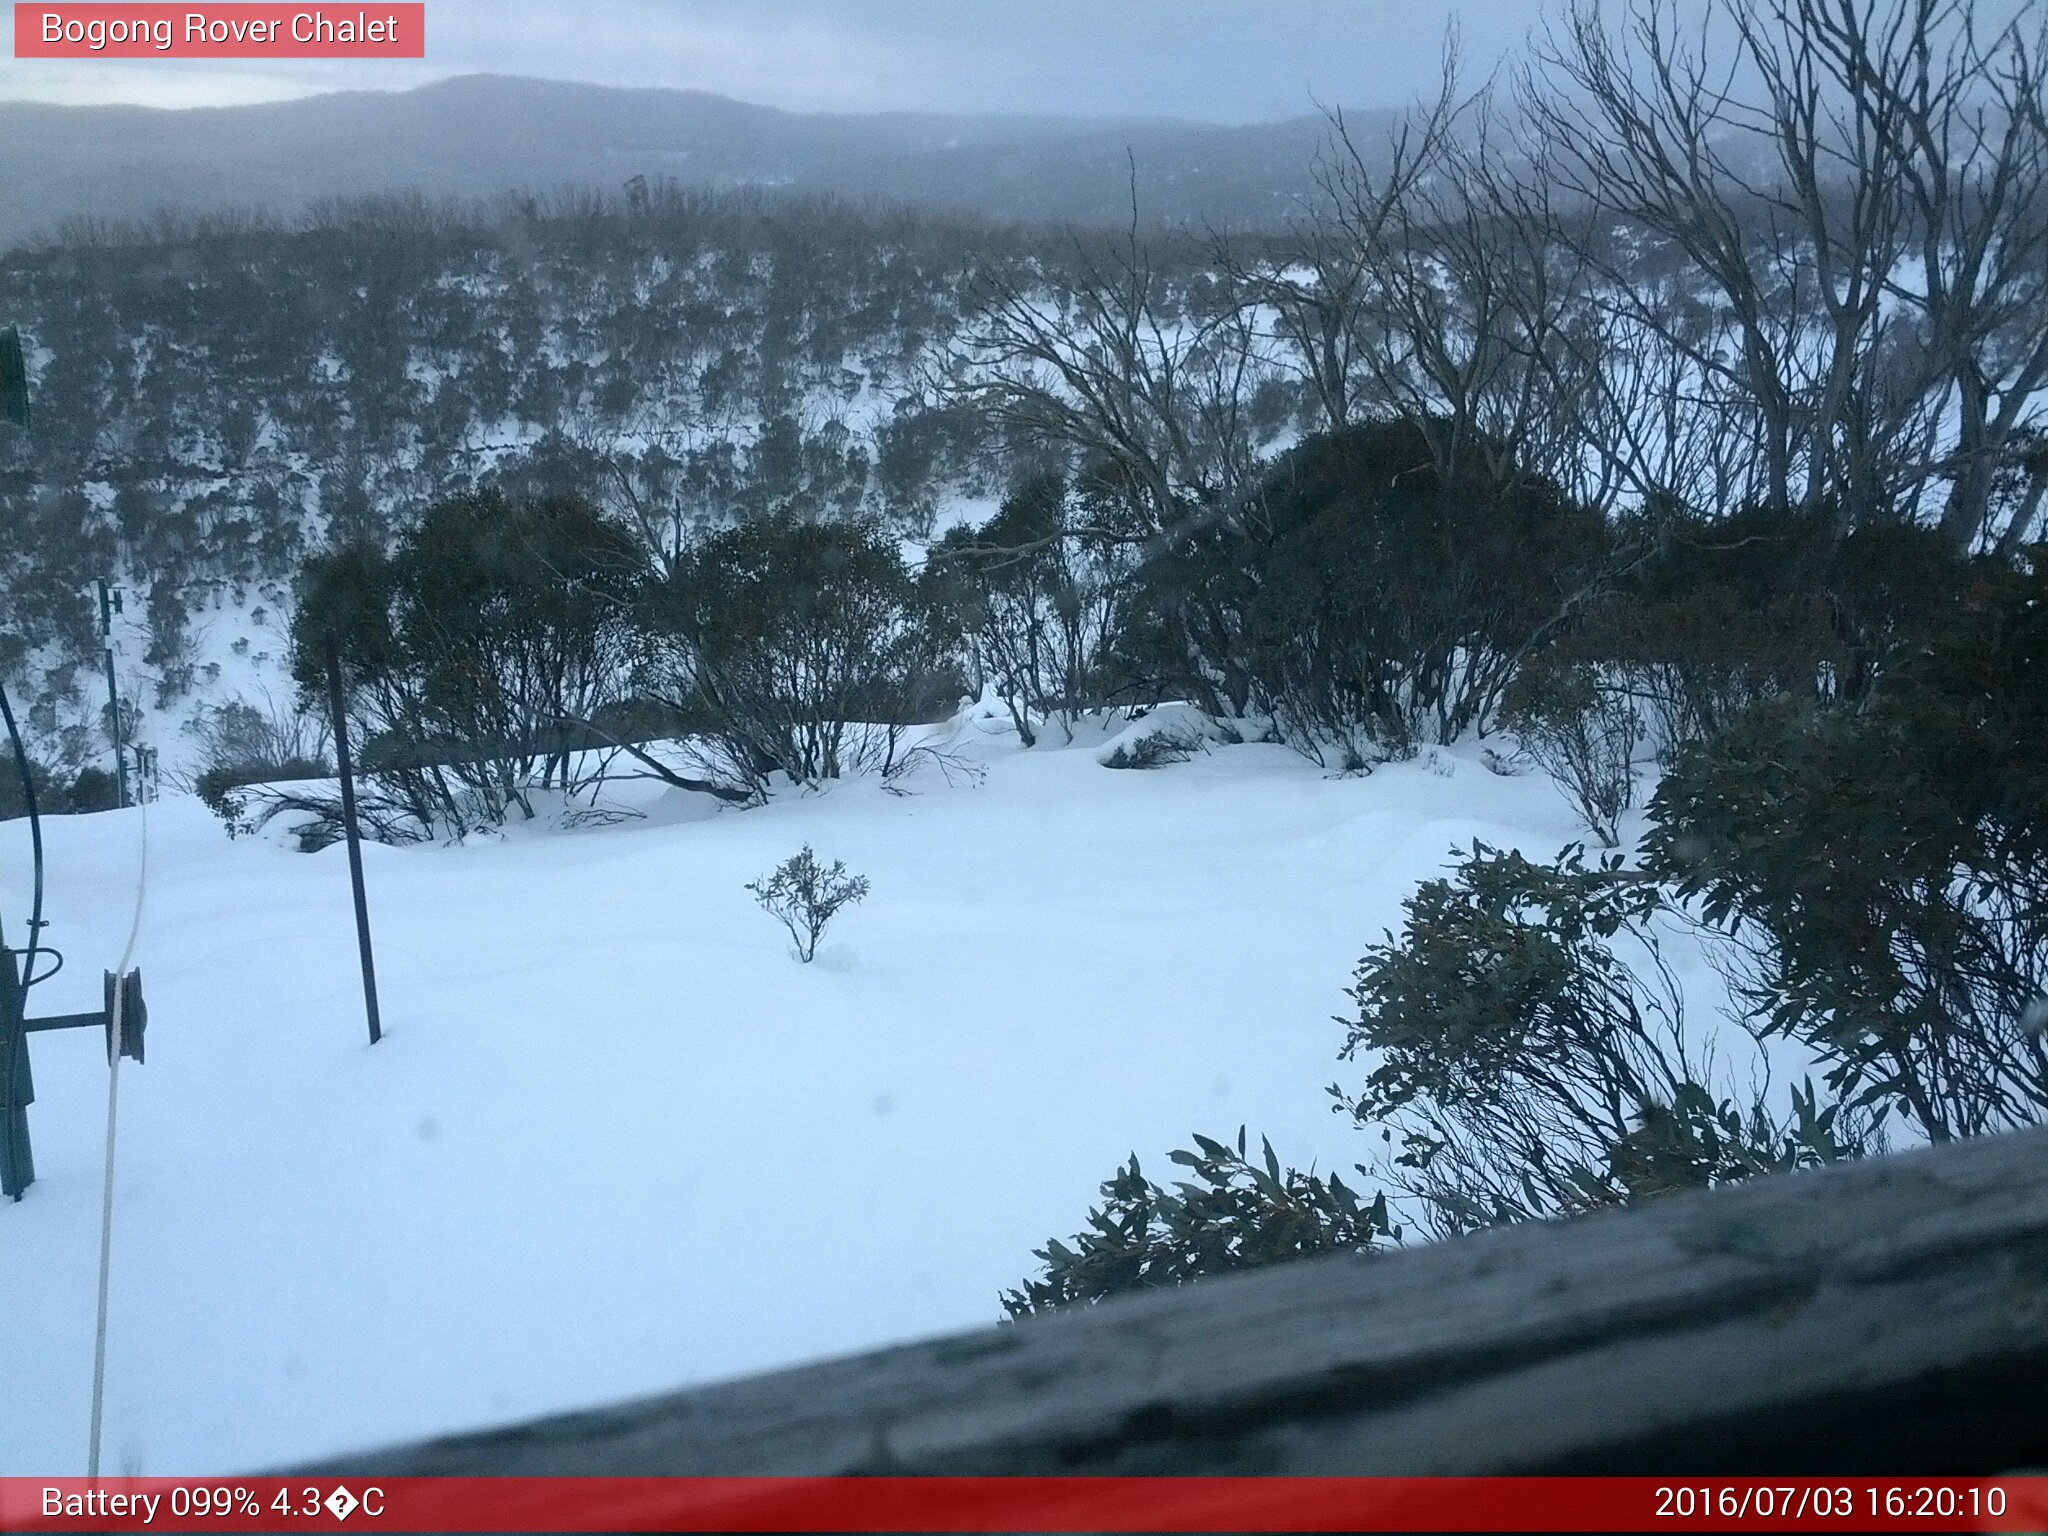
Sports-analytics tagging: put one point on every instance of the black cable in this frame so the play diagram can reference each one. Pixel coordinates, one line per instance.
(55, 954)
(35, 837)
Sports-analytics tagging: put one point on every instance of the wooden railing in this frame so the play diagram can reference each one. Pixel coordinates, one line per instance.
(1888, 1316)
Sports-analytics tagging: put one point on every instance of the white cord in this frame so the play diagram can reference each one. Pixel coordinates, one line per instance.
(99, 1347)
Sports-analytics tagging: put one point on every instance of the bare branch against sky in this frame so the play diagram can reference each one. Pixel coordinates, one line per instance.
(1223, 60)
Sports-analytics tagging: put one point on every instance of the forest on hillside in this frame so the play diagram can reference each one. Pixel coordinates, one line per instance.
(1678, 303)
(213, 403)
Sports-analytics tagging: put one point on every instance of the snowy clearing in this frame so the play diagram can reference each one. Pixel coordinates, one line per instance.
(617, 1140)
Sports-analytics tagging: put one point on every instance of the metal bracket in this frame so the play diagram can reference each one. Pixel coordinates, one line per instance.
(17, 1084)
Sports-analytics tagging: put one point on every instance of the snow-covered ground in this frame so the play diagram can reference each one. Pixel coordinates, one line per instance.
(616, 1139)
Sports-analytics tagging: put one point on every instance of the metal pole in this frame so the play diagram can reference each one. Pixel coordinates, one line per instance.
(17, 1160)
(113, 698)
(337, 705)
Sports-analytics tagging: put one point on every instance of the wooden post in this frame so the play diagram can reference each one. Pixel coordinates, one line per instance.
(338, 706)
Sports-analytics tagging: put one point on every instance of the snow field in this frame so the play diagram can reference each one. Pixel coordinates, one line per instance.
(617, 1140)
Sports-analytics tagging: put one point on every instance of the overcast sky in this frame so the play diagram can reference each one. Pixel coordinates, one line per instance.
(1224, 60)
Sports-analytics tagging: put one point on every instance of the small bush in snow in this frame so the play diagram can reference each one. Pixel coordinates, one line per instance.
(253, 763)
(1155, 749)
(803, 895)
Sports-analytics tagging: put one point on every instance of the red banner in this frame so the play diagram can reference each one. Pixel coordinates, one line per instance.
(1050, 1504)
(236, 31)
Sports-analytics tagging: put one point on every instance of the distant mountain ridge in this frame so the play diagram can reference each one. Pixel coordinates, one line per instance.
(483, 134)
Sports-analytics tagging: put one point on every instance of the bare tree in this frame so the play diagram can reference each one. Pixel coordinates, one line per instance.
(1859, 183)
(669, 475)
(1104, 357)
(1158, 395)
(1652, 130)
(1970, 154)
(1489, 291)
(1438, 282)
(1316, 294)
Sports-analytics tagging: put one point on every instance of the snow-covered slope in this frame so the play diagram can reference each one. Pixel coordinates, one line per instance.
(616, 1139)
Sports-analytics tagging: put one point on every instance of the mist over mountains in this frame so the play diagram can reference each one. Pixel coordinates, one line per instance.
(484, 134)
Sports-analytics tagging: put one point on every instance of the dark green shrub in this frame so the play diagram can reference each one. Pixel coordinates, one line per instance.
(802, 645)
(473, 650)
(95, 789)
(1363, 601)
(1532, 1057)
(1234, 1213)
(240, 745)
(1152, 751)
(49, 792)
(1886, 869)
(57, 793)
(1037, 594)
(214, 786)
(1892, 588)
(1760, 605)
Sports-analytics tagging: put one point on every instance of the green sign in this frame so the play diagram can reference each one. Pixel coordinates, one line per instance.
(13, 379)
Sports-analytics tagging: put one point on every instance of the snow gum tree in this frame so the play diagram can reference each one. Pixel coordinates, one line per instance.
(801, 646)
(470, 647)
